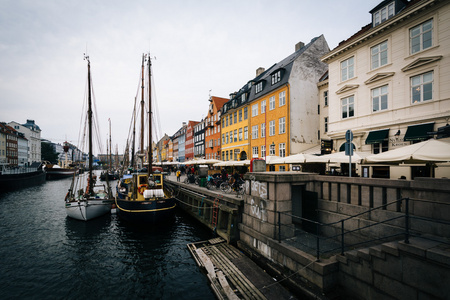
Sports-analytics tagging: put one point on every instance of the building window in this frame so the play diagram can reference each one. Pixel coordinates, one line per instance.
(235, 135)
(380, 98)
(325, 97)
(223, 122)
(421, 36)
(240, 115)
(282, 98)
(272, 149)
(226, 120)
(348, 107)
(347, 69)
(379, 55)
(422, 87)
(282, 125)
(231, 136)
(271, 128)
(255, 151)
(240, 134)
(245, 133)
(282, 168)
(263, 106)
(245, 113)
(282, 150)
(243, 98)
(276, 77)
(326, 124)
(255, 132)
(235, 117)
(272, 103)
(263, 130)
(263, 151)
(380, 147)
(231, 119)
(383, 14)
(254, 110)
(258, 87)
(223, 138)
(226, 138)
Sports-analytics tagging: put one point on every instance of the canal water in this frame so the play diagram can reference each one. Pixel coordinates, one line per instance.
(45, 255)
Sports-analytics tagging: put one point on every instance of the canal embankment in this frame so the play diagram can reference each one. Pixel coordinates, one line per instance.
(328, 235)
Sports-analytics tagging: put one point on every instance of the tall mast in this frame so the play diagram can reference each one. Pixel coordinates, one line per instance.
(150, 152)
(91, 182)
(142, 109)
(110, 149)
(134, 136)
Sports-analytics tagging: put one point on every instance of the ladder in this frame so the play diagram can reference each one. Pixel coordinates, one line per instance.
(215, 212)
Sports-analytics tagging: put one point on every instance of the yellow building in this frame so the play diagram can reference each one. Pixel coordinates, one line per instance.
(284, 105)
(234, 130)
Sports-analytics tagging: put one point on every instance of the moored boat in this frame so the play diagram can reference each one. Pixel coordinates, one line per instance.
(85, 199)
(141, 196)
(54, 172)
(20, 178)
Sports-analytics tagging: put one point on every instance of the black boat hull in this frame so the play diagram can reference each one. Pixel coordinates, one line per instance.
(146, 212)
(12, 182)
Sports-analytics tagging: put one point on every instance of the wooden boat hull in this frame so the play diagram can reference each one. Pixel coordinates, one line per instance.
(147, 211)
(86, 210)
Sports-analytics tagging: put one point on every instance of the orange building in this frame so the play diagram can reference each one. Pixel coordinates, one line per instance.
(212, 128)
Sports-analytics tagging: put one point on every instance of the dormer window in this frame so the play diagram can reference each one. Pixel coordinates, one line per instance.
(258, 87)
(243, 98)
(383, 14)
(276, 77)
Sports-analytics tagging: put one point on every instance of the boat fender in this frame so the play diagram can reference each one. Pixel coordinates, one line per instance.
(142, 188)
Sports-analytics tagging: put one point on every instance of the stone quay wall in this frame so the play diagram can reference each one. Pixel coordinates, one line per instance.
(368, 271)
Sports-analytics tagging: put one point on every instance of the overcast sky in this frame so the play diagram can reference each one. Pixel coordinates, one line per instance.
(199, 46)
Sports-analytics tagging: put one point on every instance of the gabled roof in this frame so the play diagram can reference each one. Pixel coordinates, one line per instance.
(285, 66)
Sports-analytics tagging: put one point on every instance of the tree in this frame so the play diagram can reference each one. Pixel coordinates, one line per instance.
(47, 153)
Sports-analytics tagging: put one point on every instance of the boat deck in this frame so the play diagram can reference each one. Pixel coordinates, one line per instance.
(232, 274)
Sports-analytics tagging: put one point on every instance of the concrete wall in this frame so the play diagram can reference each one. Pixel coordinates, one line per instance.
(341, 197)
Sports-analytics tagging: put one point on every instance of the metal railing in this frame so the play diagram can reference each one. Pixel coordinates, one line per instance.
(339, 241)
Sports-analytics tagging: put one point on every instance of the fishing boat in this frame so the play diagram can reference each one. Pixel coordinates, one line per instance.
(141, 195)
(86, 199)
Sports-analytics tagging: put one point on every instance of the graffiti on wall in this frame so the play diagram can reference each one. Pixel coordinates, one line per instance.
(257, 188)
(258, 209)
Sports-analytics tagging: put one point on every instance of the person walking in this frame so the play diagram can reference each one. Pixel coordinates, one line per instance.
(178, 175)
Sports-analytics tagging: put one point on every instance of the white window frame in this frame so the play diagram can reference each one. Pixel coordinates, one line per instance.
(348, 68)
(263, 130)
(282, 98)
(272, 103)
(258, 87)
(417, 86)
(276, 77)
(383, 14)
(263, 106)
(246, 133)
(272, 149)
(282, 150)
(240, 134)
(417, 33)
(282, 125)
(347, 103)
(254, 132)
(255, 151)
(263, 150)
(379, 55)
(272, 128)
(254, 110)
(380, 97)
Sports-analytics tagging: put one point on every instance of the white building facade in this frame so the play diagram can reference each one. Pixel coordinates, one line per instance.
(388, 83)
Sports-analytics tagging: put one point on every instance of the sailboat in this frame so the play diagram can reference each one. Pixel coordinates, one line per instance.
(141, 196)
(86, 199)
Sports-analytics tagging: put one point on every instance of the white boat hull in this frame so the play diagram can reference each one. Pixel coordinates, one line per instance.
(85, 210)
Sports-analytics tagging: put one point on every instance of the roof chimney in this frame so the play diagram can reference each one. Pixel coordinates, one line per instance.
(298, 46)
(259, 71)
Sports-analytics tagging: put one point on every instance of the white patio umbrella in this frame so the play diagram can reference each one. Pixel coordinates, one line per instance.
(340, 157)
(291, 159)
(271, 160)
(428, 151)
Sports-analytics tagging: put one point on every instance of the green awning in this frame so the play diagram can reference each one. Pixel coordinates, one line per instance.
(376, 137)
(418, 132)
(342, 148)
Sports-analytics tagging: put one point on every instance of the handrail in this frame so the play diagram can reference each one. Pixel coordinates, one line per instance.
(343, 233)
